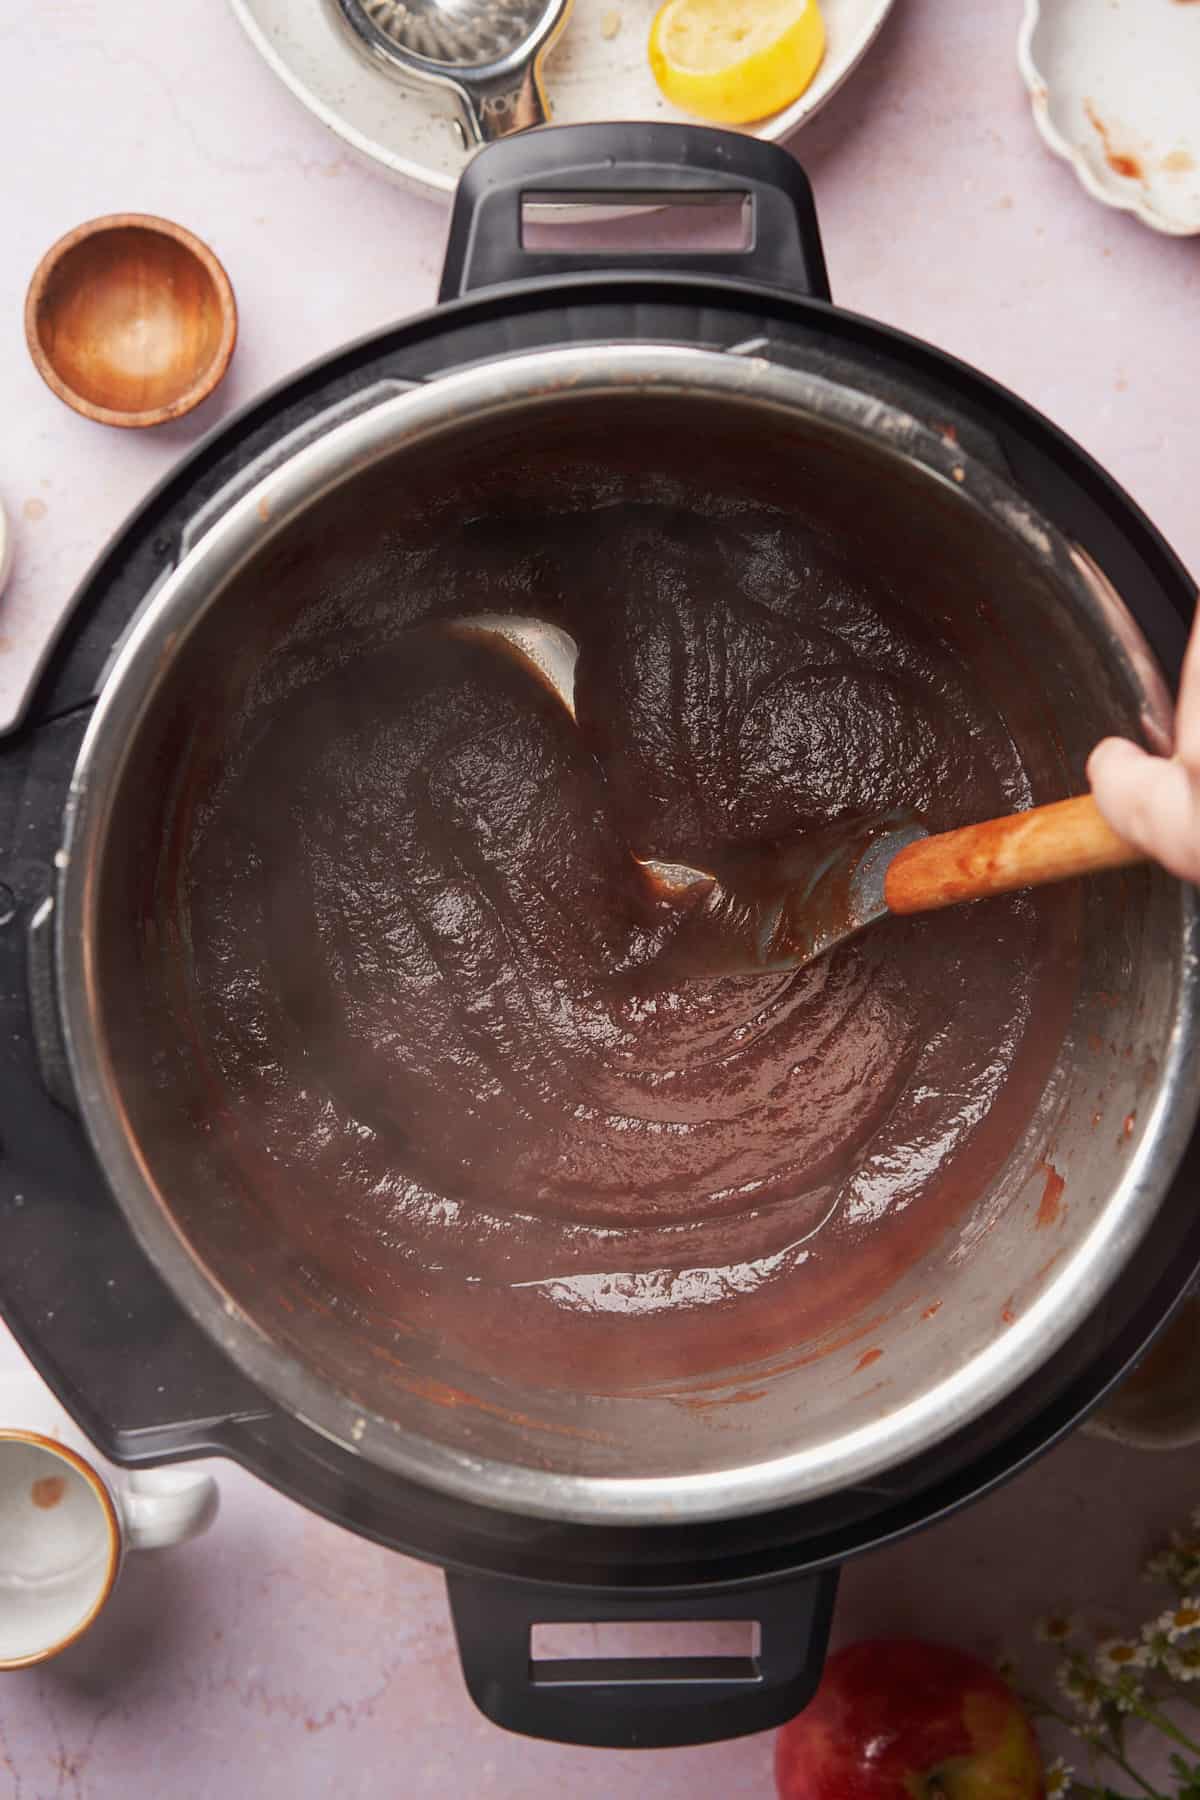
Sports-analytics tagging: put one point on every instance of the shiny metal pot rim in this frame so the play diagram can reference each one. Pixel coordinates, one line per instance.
(449, 404)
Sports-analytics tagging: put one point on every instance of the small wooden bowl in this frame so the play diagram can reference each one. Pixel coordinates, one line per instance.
(130, 320)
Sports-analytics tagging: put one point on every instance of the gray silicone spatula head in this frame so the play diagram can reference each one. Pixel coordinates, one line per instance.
(774, 907)
(487, 53)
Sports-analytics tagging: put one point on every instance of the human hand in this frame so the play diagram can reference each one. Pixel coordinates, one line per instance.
(1154, 801)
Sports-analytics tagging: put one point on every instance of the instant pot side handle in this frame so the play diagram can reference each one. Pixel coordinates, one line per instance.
(648, 1703)
(633, 165)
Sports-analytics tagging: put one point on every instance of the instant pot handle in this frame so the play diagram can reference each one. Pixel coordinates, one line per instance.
(640, 164)
(649, 1703)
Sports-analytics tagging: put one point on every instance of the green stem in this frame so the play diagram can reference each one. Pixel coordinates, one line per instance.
(1111, 1750)
(1046, 1711)
(1131, 1772)
(1160, 1720)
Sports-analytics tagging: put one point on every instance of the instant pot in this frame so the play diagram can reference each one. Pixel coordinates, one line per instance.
(135, 1276)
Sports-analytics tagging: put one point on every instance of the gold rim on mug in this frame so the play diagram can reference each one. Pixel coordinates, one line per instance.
(114, 1543)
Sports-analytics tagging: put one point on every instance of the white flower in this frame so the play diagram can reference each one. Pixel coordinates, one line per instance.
(1164, 1565)
(1079, 1685)
(1178, 1561)
(1055, 1628)
(1125, 1693)
(1058, 1778)
(1093, 1735)
(1179, 1620)
(1182, 1661)
(1115, 1655)
(1156, 1643)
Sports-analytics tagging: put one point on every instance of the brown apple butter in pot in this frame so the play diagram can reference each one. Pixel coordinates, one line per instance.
(430, 982)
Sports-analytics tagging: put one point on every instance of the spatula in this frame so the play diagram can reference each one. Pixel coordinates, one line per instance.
(776, 907)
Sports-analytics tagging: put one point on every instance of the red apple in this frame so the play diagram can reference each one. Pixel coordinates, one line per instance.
(902, 1720)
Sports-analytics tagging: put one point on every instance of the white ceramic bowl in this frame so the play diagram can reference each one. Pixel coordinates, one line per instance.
(6, 549)
(1115, 86)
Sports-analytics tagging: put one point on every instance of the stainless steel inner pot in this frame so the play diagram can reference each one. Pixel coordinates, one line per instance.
(909, 508)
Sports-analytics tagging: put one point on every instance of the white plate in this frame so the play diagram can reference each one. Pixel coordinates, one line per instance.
(6, 548)
(588, 77)
(1115, 86)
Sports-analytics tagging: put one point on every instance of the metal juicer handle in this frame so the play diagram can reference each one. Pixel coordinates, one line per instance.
(491, 109)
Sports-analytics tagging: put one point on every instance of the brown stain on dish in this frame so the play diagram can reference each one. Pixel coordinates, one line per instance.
(1178, 162)
(1044, 1269)
(1119, 161)
(932, 1310)
(440, 1393)
(1050, 1209)
(826, 1349)
(1007, 1314)
(263, 509)
(48, 1491)
(866, 1359)
(35, 509)
(314, 1305)
(742, 1398)
(1127, 1129)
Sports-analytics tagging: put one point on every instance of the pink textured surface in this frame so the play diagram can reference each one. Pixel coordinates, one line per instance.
(280, 1655)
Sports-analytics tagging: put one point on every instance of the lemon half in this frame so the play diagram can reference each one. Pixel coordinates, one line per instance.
(733, 61)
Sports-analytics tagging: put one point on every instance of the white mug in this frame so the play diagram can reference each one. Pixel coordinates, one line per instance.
(1157, 1406)
(67, 1520)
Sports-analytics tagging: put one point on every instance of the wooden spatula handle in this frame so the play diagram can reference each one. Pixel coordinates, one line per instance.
(1048, 843)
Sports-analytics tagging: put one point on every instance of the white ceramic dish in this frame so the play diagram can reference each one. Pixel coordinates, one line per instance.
(1115, 86)
(588, 76)
(67, 1519)
(6, 549)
